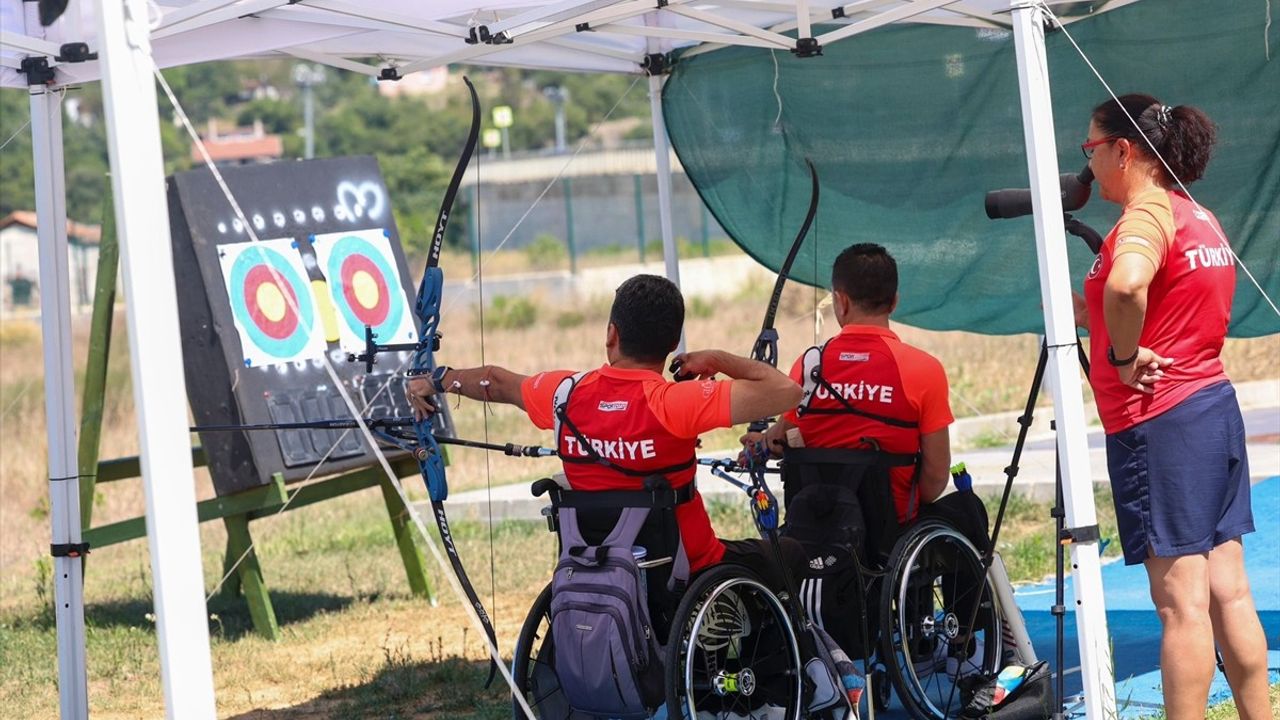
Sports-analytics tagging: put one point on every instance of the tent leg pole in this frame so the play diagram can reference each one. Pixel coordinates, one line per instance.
(1062, 372)
(662, 150)
(155, 351)
(55, 327)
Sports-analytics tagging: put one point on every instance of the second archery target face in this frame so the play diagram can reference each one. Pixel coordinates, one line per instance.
(271, 302)
(364, 285)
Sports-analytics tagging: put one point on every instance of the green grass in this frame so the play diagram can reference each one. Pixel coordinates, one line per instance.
(334, 569)
(1027, 541)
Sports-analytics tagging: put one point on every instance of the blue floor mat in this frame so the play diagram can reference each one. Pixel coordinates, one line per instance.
(1132, 621)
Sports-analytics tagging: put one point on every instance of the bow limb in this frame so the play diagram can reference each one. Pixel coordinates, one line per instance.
(765, 348)
(764, 505)
(427, 452)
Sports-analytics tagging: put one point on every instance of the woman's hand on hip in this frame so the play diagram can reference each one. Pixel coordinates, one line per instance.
(1145, 371)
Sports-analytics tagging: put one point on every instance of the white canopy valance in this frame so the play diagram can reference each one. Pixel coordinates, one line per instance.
(403, 36)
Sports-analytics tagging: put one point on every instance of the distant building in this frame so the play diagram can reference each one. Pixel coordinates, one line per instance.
(20, 262)
(240, 146)
(257, 89)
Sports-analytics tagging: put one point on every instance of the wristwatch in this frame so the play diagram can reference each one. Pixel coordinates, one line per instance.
(1120, 362)
(437, 377)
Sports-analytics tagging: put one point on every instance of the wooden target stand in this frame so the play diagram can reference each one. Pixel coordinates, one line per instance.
(234, 510)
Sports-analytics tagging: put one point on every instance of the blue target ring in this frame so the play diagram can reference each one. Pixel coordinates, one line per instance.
(281, 329)
(365, 287)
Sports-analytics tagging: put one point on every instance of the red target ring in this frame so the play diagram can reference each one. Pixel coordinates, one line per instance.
(277, 319)
(365, 290)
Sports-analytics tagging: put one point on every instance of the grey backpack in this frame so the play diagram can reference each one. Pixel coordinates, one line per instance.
(607, 655)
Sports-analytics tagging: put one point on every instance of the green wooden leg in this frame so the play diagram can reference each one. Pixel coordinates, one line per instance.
(230, 589)
(255, 589)
(95, 371)
(415, 565)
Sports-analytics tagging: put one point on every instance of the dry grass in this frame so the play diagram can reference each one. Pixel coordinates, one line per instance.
(355, 642)
(459, 264)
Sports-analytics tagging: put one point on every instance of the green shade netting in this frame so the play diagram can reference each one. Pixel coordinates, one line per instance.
(909, 126)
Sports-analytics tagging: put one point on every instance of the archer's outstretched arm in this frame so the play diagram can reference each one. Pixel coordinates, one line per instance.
(489, 383)
(758, 388)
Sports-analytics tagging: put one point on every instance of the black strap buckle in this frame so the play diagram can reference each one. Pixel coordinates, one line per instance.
(69, 549)
(1080, 535)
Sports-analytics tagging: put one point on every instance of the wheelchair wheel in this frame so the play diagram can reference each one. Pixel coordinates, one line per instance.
(732, 651)
(935, 584)
(533, 666)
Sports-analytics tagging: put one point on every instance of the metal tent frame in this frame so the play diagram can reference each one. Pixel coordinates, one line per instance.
(403, 36)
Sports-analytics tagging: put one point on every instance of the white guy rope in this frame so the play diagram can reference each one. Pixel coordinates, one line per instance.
(1176, 179)
(357, 415)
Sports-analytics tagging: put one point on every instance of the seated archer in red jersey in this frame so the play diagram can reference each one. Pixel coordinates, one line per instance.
(866, 389)
(624, 420)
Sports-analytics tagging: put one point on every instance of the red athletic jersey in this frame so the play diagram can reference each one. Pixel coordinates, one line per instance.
(1188, 305)
(876, 373)
(638, 420)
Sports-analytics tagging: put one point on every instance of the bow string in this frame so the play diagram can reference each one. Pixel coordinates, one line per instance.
(427, 452)
(764, 505)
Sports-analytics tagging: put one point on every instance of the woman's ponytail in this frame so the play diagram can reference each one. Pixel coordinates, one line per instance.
(1182, 135)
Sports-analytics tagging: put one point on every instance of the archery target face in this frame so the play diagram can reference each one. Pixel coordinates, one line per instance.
(271, 302)
(364, 285)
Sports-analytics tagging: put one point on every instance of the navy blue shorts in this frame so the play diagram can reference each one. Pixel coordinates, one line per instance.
(1180, 481)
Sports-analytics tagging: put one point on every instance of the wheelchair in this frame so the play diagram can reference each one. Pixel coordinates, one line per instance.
(731, 648)
(915, 603)
(906, 601)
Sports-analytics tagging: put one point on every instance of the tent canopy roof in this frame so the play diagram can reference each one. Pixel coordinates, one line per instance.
(403, 36)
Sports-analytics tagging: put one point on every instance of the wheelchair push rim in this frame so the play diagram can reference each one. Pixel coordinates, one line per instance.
(929, 651)
(733, 651)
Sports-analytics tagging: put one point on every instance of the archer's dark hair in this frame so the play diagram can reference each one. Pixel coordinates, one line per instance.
(868, 274)
(1183, 135)
(648, 311)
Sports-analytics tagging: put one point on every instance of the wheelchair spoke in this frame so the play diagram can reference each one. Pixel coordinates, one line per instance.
(942, 623)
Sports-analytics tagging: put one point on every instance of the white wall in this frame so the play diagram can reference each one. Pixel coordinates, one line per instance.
(20, 255)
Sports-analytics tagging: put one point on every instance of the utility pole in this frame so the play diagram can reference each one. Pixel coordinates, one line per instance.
(307, 77)
(558, 95)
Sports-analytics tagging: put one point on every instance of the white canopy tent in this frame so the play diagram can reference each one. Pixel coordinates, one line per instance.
(387, 40)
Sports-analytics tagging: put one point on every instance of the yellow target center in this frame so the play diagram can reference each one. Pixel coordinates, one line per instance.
(365, 288)
(271, 302)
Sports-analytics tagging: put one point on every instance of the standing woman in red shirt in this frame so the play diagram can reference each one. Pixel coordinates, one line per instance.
(1157, 303)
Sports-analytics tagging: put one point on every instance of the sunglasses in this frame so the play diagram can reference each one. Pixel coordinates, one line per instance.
(1087, 148)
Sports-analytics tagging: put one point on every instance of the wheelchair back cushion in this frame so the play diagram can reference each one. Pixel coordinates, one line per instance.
(840, 512)
(606, 648)
(825, 476)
